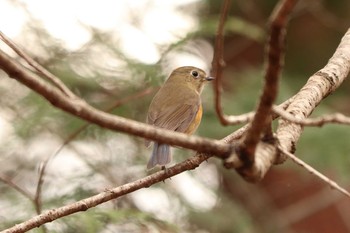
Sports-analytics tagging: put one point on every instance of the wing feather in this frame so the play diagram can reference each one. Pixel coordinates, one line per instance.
(178, 112)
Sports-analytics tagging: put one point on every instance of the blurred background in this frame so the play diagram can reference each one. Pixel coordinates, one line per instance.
(115, 54)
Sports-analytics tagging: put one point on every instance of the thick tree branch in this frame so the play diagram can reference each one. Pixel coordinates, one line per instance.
(300, 106)
(318, 87)
(81, 109)
(262, 118)
(275, 51)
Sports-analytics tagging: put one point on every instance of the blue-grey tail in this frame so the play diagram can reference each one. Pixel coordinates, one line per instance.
(161, 155)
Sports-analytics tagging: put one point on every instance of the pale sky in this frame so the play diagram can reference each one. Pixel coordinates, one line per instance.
(158, 22)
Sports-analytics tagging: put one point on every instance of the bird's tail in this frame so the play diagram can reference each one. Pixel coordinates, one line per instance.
(161, 155)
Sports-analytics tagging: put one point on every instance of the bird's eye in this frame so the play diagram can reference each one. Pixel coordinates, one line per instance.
(194, 73)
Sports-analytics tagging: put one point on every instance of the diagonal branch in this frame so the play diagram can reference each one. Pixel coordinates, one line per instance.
(80, 108)
(318, 87)
(25, 193)
(22, 191)
(107, 195)
(313, 171)
(41, 70)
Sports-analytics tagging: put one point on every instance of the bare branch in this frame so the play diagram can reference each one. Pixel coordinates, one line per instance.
(318, 87)
(262, 118)
(218, 64)
(22, 191)
(80, 108)
(300, 106)
(107, 195)
(336, 118)
(313, 171)
(241, 131)
(218, 61)
(50, 77)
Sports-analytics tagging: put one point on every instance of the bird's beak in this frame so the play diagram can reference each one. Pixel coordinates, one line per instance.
(209, 78)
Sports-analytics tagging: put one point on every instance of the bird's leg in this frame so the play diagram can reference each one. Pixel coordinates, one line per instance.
(165, 169)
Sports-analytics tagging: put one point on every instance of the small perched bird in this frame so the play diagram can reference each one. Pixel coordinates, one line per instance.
(176, 106)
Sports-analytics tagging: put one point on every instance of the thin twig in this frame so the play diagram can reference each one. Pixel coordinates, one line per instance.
(313, 171)
(107, 195)
(218, 61)
(50, 77)
(22, 191)
(241, 131)
(218, 64)
(336, 118)
(25, 193)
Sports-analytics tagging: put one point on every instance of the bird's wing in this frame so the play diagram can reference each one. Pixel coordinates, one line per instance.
(179, 118)
(176, 116)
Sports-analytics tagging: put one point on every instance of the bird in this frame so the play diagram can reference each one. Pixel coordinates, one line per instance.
(176, 106)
